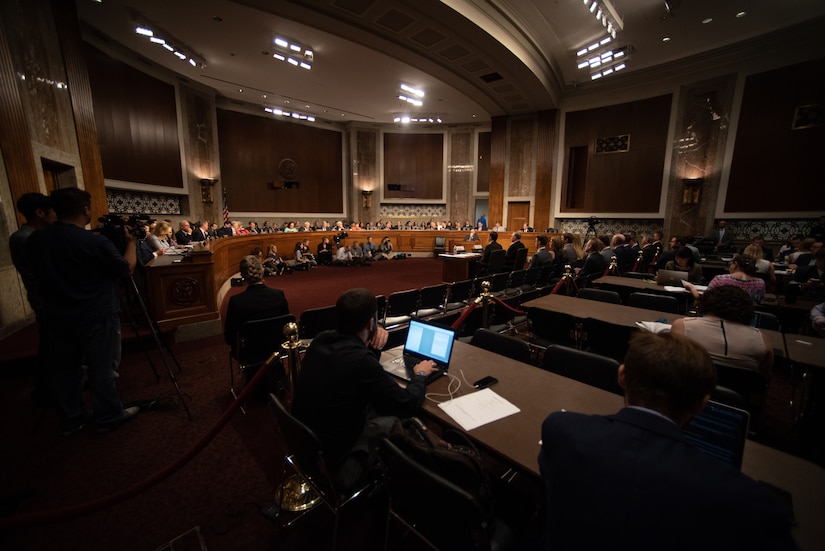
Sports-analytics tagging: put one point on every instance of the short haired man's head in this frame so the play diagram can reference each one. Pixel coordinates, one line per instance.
(354, 309)
(516, 236)
(71, 201)
(667, 373)
(29, 203)
(541, 240)
(729, 302)
(493, 236)
(251, 269)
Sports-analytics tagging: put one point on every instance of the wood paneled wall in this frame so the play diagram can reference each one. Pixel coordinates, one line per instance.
(617, 182)
(137, 123)
(544, 170)
(783, 163)
(415, 162)
(254, 152)
(483, 161)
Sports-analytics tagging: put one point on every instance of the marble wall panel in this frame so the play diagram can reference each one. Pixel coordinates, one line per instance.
(460, 171)
(521, 157)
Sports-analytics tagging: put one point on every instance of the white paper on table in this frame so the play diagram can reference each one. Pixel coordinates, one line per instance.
(478, 408)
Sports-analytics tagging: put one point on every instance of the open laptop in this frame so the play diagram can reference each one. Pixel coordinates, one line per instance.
(671, 277)
(424, 342)
(721, 431)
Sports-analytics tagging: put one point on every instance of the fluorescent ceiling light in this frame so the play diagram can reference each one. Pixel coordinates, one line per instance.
(144, 31)
(413, 91)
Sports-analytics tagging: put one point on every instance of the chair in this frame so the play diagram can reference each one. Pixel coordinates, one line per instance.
(401, 306)
(601, 295)
(727, 396)
(514, 285)
(502, 344)
(550, 327)
(586, 367)
(460, 293)
(495, 263)
(423, 501)
(305, 456)
(440, 245)
(315, 320)
(255, 341)
(766, 320)
(652, 301)
(498, 283)
(520, 260)
(637, 275)
(607, 339)
(433, 300)
(531, 279)
(749, 384)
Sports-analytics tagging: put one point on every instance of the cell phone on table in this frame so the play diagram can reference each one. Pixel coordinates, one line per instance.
(485, 382)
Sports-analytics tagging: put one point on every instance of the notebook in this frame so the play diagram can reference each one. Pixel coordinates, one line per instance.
(671, 277)
(424, 342)
(721, 431)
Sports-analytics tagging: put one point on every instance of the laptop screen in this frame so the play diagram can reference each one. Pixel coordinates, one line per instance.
(720, 431)
(429, 341)
(671, 277)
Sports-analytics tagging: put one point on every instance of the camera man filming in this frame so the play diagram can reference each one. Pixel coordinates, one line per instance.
(77, 273)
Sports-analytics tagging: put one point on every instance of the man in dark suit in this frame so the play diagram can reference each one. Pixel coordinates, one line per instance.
(632, 480)
(512, 251)
(723, 238)
(481, 267)
(594, 263)
(542, 256)
(759, 241)
(810, 278)
(184, 235)
(257, 302)
(201, 232)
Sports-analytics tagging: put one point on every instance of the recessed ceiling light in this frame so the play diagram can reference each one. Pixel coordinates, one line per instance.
(666, 39)
(707, 20)
(741, 14)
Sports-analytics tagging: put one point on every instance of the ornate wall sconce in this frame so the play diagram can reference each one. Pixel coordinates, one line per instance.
(692, 190)
(366, 199)
(206, 189)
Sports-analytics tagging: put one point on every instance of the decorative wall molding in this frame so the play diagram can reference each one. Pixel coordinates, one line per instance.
(413, 212)
(130, 202)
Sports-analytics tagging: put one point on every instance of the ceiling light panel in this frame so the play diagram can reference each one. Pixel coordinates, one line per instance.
(172, 45)
(293, 52)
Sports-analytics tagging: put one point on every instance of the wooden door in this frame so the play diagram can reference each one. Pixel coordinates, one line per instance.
(518, 212)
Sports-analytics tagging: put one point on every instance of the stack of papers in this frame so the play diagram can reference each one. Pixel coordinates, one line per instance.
(478, 408)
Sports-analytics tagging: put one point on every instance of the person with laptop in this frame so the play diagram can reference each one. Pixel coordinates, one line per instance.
(685, 261)
(632, 480)
(343, 393)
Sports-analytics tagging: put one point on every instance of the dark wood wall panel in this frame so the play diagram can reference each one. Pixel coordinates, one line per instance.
(15, 141)
(82, 105)
(136, 119)
(252, 149)
(416, 163)
(498, 160)
(774, 167)
(544, 169)
(619, 182)
(483, 183)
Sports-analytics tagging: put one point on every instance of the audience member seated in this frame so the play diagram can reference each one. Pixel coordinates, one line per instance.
(809, 278)
(543, 257)
(573, 253)
(303, 258)
(650, 252)
(384, 250)
(256, 302)
(324, 255)
(357, 254)
(512, 252)
(625, 257)
(370, 248)
(742, 273)
(724, 330)
(344, 256)
(804, 255)
(818, 319)
(594, 263)
(759, 241)
(632, 481)
(790, 247)
(764, 267)
(274, 264)
(686, 262)
(676, 243)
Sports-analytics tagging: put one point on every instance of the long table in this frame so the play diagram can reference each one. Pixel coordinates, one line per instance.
(537, 393)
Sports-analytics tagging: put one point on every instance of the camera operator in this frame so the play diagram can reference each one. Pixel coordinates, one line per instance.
(77, 273)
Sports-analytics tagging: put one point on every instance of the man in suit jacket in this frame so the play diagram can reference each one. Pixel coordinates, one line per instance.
(184, 235)
(512, 251)
(201, 232)
(632, 480)
(257, 302)
(542, 256)
(723, 238)
(811, 278)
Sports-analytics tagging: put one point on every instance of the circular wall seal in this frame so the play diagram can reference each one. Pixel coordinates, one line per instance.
(287, 168)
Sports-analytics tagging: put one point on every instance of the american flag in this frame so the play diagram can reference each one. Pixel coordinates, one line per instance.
(225, 210)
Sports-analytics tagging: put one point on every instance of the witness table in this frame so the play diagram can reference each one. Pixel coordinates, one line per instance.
(537, 393)
(456, 267)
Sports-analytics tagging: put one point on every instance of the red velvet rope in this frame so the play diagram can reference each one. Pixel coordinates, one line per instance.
(517, 312)
(40, 517)
(457, 323)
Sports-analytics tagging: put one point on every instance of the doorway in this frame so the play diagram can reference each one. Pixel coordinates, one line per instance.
(518, 213)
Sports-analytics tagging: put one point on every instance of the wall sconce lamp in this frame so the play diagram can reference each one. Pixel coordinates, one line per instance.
(206, 189)
(366, 199)
(692, 190)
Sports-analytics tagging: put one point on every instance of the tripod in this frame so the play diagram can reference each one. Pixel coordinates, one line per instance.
(134, 291)
(591, 228)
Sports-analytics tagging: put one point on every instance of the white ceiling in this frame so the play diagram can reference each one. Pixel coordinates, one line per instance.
(495, 57)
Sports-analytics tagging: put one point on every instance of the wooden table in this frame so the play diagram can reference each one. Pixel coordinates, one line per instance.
(617, 314)
(456, 267)
(537, 393)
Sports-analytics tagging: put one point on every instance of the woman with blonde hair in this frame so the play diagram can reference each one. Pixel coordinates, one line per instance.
(764, 267)
(161, 237)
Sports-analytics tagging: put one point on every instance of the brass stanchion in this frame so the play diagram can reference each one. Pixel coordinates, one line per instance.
(294, 494)
(613, 268)
(484, 299)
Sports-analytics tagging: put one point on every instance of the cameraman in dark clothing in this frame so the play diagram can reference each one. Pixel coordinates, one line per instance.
(345, 396)
(77, 273)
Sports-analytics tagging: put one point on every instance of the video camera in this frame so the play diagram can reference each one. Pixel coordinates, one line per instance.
(112, 227)
(339, 236)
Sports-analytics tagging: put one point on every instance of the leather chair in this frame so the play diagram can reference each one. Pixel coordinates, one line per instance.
(401, 307)
(315, 320)
(586, 367)
(601, 295)
(653, 301)
(432, 300)
(440, 245)
(502, 344)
